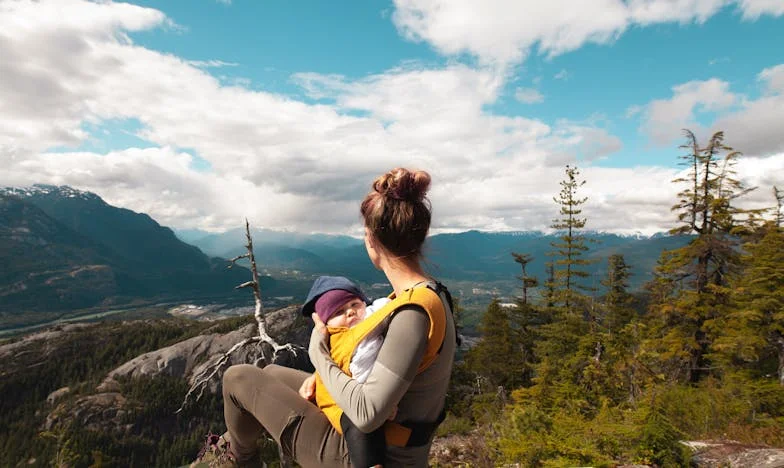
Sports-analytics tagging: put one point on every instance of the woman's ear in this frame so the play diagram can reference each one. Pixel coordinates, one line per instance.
(371, 246)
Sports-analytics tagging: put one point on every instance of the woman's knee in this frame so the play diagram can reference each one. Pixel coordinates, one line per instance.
(238, 375)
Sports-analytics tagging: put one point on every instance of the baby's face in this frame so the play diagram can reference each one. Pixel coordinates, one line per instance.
(349, 314)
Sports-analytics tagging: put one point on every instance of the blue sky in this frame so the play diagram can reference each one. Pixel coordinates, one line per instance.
(194, 111)
(599, 82)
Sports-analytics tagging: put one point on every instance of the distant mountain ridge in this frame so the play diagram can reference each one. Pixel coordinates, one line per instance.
(467, 256)
(65, 249)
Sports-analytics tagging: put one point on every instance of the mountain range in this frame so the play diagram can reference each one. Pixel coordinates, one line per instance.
(472, 256)
(63, 249)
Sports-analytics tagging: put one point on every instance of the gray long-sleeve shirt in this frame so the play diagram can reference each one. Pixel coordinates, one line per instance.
(393, 382)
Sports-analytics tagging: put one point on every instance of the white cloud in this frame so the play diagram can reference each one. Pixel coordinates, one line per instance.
(529, 95)
(591, 143)
(211, 63)
(633, 110)
(773, 78)
(752, 126)
(282, 162)
(753, 9)
(502, 32)
(562, 75)
(665, 118)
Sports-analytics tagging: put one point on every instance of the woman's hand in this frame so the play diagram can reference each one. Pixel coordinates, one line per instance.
(319, 340)
(308, 388)
(319, 325)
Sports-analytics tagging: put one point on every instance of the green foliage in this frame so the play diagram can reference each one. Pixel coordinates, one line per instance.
(569, 250)
(691, 286)
(83, 359)
(496, 357)
(753, 333)
(659, 441)
(625, 379)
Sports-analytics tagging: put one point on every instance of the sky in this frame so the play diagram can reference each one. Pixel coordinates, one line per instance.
(203, 112)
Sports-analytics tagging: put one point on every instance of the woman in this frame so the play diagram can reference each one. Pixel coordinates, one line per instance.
(396, 214)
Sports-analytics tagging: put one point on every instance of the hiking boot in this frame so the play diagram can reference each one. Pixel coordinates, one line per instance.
(215, 454)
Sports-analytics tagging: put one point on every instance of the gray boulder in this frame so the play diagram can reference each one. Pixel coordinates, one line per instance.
(187, 359)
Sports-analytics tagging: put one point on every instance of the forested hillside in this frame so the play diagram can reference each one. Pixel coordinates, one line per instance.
(64, 250)
(594, 376)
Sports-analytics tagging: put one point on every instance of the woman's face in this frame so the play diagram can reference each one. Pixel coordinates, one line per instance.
(372, 252)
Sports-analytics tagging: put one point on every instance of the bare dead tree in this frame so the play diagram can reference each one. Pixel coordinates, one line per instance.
(201, 381)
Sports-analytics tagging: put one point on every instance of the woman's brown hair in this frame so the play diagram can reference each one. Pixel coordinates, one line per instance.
(397, 211)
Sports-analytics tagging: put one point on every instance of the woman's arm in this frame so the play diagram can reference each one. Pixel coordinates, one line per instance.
(368, 405)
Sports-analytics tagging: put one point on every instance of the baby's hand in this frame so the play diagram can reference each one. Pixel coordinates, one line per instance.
(392, 416)
(308, 388)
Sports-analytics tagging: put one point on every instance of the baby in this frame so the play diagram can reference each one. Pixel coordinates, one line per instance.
(338, 302)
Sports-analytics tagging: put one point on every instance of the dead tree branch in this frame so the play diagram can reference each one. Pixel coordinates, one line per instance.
(201, 381)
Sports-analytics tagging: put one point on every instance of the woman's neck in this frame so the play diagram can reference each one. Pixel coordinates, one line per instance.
(404, 274)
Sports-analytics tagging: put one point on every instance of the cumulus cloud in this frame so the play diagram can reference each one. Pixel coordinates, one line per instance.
(633, 111)
(281, 162)
(665, 118)
(773, 78)
(502, 32)
(211, 63)
(529, 95)
(755, 129)
(752, 126)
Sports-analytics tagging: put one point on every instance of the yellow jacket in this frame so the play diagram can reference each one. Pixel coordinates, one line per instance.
(343, 341)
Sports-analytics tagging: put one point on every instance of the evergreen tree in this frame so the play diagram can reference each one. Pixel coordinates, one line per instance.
(525, 321)
(755, 328)
(692, 282)
(569, 249)
(617, 302)
(614, 364)
(496, 357)
(528, 281)
(568, 346)
(549, 287)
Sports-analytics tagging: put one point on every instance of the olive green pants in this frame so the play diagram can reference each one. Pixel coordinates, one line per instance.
(256, 399)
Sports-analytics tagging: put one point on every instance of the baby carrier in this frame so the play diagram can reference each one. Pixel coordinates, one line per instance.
(343, 342)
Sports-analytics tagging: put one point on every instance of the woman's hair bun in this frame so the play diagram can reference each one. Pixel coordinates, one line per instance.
(402, 184)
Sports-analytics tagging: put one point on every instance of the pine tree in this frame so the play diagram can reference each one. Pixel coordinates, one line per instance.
(692, 282)
(526, 320)
(617, 302)
(754, 329)
(567, 370)
(569, 249)
(528, 281)
(619, 336)
(496, 357)
(549, 287)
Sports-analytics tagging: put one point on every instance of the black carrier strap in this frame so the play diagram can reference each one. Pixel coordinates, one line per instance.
(440, 288)
(422, 432)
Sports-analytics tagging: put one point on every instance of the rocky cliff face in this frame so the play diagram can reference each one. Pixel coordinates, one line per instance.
(105, 409)
(189, 358)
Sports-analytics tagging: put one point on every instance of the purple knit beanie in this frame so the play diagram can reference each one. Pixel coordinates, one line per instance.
(330, 301)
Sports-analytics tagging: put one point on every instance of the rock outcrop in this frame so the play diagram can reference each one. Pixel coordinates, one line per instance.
(721, 454)
(100, 412)
(188, 358)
